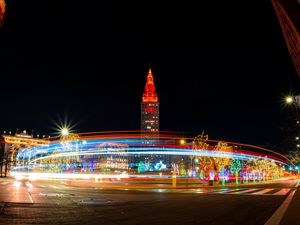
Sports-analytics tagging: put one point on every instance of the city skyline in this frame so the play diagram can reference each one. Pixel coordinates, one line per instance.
(149, 112)
(91, 73)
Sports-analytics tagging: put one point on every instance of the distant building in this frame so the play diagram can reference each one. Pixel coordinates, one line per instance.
(149, 109)
(288, 13)
(2, 11)
(114, 159)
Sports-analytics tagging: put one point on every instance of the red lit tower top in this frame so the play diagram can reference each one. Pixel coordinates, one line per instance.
(149, 93)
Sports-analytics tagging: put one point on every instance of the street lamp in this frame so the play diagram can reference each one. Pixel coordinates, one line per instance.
(64, 131)
(182, 141)
(292, 100)
(289, 99)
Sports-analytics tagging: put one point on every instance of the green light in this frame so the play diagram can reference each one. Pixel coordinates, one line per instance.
(235, 167)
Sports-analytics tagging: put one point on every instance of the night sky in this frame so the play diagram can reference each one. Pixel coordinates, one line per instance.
(221, 67)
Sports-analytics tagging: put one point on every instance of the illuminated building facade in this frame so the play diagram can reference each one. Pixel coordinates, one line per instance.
(114, 159)
(2, 11)
(13, 144)
(149, 108)
(288, 13)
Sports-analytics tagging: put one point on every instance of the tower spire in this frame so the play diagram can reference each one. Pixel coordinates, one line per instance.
(150, 93)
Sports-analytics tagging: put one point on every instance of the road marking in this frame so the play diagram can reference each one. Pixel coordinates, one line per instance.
(231, 191)
(53, 186)
(262, 191)
(28, 184)
(218, 191)
(228, 191)
(283, 191)
(245, 191)
(29, 194)
(277, 216)
(52, 194)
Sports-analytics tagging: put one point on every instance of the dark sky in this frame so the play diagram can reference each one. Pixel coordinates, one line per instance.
(220, 66)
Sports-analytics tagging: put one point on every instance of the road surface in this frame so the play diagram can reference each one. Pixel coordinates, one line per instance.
(47, 202)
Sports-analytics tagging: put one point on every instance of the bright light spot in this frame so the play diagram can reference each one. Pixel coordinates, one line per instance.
(64, 131)
(84, 142)
(289, 100)
(18, 177)
(297, 138)
(33, 177)
(182, 141)
(17, 183)
(28, 184)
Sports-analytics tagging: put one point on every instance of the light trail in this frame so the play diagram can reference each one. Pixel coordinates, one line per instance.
(110, 154)
(156, 151)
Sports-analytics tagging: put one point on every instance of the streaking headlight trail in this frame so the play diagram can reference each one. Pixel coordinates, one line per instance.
(122, 155)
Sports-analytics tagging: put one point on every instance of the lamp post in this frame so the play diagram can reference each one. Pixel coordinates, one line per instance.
(291, 100)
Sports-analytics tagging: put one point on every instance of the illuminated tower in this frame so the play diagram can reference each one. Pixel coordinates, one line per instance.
(149, 109)
(2, 11)
(288, 13)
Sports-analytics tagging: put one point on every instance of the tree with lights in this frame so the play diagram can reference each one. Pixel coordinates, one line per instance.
(206, 163)
(200, 144)
(294, 157)
(273, 169)
(182, 169)
(263, 168)
(252, 165)
(235, 168)
(224, 160)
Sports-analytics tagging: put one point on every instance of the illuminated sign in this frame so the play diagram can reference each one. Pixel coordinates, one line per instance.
(150, 109)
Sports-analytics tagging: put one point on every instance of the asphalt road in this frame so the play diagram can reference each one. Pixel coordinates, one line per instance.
(46, 202)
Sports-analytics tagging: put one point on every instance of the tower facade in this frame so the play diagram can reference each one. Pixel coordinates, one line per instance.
(288, 13)
(149, 108)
